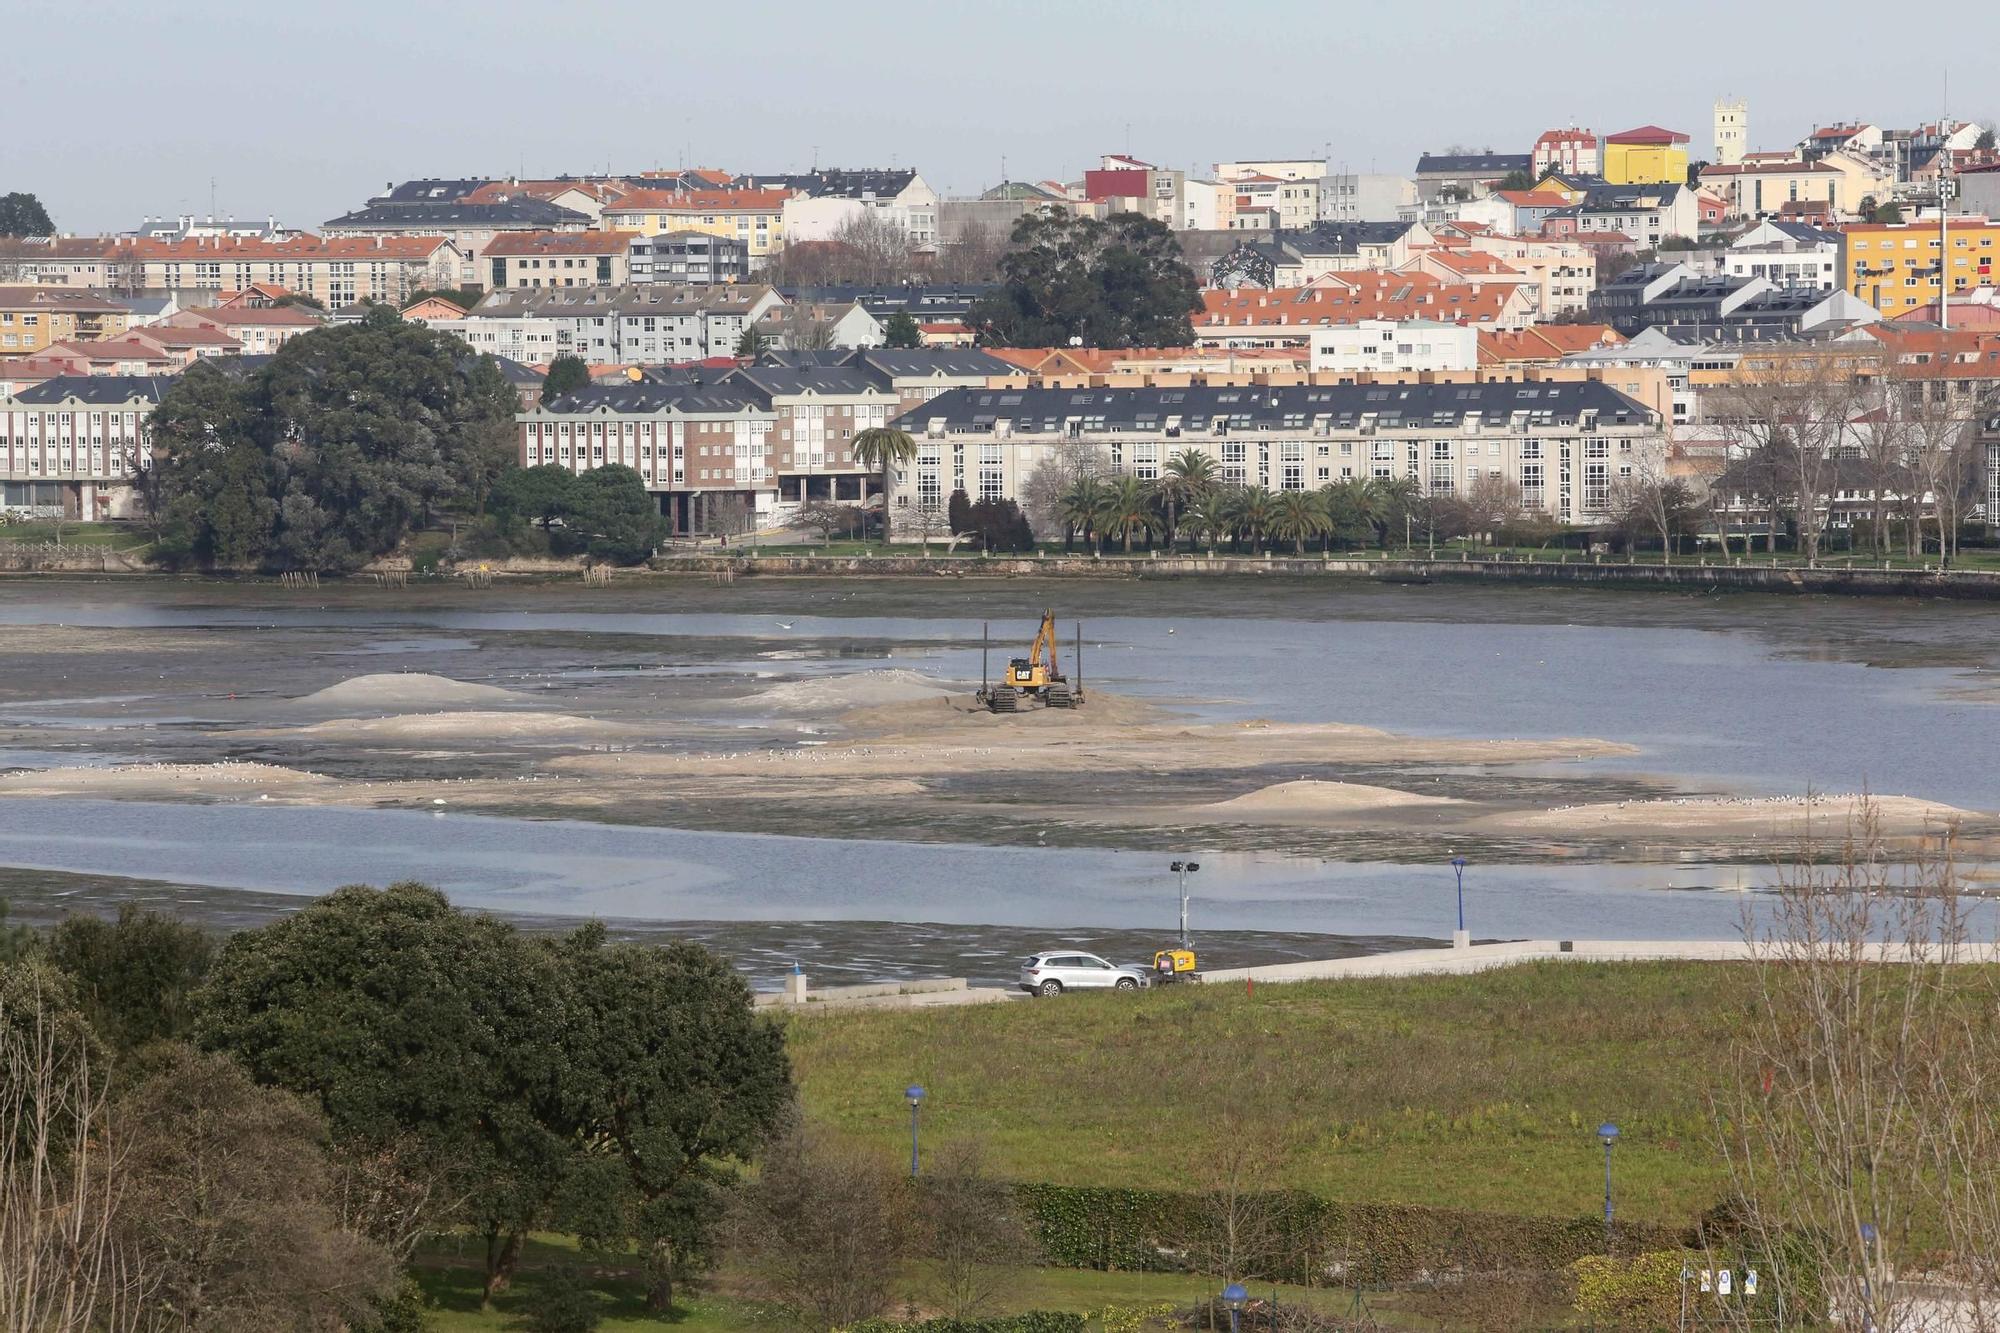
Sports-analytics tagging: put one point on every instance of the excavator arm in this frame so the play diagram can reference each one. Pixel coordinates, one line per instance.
(1044, 651)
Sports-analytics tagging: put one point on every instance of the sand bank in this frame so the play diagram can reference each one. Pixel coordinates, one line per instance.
(468, 726)
(833, 695)
(1309, 798)
(401, 692)
(1747, 815)
(224, 781)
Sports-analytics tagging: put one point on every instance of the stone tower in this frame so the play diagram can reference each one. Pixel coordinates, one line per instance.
(1732, 129)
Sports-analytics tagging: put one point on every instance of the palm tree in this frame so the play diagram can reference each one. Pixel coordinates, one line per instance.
(1126, 508)
(1078, 508)
(1297, 516)
(1188, 476)
(1256, 515)
(1347, 511)
(1392, 500)
(880, 446)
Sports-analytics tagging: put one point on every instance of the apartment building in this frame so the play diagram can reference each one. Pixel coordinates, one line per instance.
(256, 329)
(1572, 151)
(767, 437)
(33, 318)
(73, 443)
(1126, 185)
(469, 225)
(755, 217)
(1360, 196)
(559, 259)
(336, 271)
(1647, 155)
(819, 203)
(1646, 214)
(1380, 344)
(1566, 445)
(1793, 255)
(1895, 266)
(688, 258)
(1286, 316)
(632, 325)
(1562, 274)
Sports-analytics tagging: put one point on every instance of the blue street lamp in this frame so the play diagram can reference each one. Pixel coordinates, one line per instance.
(1608, 1132)
(1235, 1297)
(915, 1095)
(1458, 868)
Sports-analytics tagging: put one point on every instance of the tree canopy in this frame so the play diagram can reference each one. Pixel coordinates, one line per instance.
(21, 214)
(330, 454)
(1120, 282)
(567, 373)
(900, 330)
(606, 513)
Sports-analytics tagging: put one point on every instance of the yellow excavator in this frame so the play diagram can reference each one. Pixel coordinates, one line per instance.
(1036, 677)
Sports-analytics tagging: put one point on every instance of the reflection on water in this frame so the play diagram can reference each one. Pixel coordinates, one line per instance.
(567, 868)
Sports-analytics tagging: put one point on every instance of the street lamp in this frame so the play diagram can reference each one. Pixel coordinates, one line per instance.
(1460, 939)
(1184, 869)
(1235, 1297)
(915, 1095)
(1608, 1132)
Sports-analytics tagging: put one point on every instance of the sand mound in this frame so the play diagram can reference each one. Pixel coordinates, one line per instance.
(230, 778)
(470, 726)
(1731, 814)
(856, 689)
(401, 692)
(1312, 797)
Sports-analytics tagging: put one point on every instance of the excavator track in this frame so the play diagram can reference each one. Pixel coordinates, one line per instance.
(1003, 700)
(1058, 696)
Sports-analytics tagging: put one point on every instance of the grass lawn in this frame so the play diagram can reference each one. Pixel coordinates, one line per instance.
(119, 536)
(1478, 1092)
(451, 1283)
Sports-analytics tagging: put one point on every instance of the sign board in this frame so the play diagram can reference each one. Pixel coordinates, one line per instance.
(1750, 1283)
(1722, 1282)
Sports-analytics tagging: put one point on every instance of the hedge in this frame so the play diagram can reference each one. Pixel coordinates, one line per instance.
(1308, 1239)
(1035, 1321)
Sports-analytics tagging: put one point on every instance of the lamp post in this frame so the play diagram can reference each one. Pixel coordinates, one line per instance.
(915, 1095)
(1184, 869)
(1235, 1297)
(1871, 1253)
(1459, 938)
(1607, 1132)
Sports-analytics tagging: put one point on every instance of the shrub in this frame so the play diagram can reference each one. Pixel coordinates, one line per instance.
(1034, 1321)
(1314, 1238)
(1642, 1291)
(562, 1302)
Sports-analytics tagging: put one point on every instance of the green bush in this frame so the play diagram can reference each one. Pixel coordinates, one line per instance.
(562, 1301)
(1034, 1321)
(1643, 1291)
(1314, 1238)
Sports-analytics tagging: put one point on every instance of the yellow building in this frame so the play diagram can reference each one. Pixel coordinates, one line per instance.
(32, 318)
(1894, 266)
(1648, 155)
(754, 217)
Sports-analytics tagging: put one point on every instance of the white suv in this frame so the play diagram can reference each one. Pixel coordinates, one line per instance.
(1054, 972)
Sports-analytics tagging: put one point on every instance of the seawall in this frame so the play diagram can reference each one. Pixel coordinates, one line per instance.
(1736, 575)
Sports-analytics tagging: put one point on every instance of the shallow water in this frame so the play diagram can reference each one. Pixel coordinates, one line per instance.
(1767, 695)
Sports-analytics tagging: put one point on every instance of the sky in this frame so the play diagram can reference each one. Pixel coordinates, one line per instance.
(304, 108)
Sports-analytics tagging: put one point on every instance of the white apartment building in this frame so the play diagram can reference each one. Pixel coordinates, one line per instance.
(72, 444)
(1365, 197)
(649, 323)
(1380, 344)
(1566, 445)
(1792, 255)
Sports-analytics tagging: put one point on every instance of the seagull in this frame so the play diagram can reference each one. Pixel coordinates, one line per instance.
(1170, 629)
(782, 624)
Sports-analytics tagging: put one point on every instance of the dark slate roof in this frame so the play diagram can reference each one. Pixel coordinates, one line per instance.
(891, 297)
(1622, 198)
(106, 389)
(1805, 233)
(1343, 238)
(410, 192)
(833, 183)
(1394, 405)
(915, 363)
(525, 213)
(806, 379)
(517, 374)
(1468, 164)
(650, 395)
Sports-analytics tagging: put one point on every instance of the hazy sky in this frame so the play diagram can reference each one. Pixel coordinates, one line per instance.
(303, 108)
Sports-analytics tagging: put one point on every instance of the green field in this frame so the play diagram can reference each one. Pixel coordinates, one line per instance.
(118, 536)
(1479, 1092)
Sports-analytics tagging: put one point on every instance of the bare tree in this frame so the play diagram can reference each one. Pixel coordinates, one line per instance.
(1240, 1228)
(63, 1266)
(821, 1230)
(230, 1199)
(1792, 411)
(1857, 1116)
(973, 1233)
(929, 523)
(1068, 462)
(832, 518)
(973, 255)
